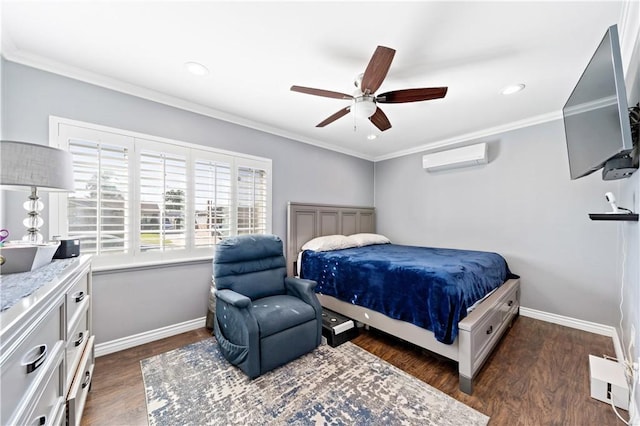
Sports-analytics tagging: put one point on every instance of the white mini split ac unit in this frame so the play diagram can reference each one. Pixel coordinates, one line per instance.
(460, 157)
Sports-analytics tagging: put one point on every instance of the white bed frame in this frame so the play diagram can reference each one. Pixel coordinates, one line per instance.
(478, 333)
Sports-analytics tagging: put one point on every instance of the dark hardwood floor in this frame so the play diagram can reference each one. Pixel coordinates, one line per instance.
(538, 375)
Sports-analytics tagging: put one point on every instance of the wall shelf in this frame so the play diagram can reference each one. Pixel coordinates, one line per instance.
(633, 217)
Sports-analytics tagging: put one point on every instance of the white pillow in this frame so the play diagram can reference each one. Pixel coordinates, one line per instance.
(365, 239)
(329, 242)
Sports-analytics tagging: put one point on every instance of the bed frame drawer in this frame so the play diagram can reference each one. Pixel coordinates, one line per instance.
(510, 304)
(483, 334)
(481, 330)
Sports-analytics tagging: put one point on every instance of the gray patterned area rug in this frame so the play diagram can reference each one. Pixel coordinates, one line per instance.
(195, 385)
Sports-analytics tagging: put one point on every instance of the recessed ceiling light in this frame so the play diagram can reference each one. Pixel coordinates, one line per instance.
(196, 68)
(372, 137)
(514, 88)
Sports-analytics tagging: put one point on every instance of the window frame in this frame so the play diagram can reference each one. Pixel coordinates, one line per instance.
(62, 129)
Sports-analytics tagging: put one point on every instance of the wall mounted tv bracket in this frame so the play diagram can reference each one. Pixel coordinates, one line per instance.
(626, 163)
(634, 120)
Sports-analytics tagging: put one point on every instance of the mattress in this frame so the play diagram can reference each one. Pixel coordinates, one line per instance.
(428, 287)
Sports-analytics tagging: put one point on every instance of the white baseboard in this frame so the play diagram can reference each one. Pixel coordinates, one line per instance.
(591, 327)
(148, 336)
(171, 330)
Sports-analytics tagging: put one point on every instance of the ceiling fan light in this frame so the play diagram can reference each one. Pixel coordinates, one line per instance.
(364, 107)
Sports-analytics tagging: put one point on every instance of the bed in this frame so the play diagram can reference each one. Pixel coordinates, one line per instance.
(462, 336)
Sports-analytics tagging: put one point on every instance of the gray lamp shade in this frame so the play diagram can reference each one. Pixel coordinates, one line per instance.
(24, 165)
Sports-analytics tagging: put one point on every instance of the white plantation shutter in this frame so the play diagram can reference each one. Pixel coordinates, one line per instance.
(213, 200)
(251, 201)
(163, 200)
(141, 199)
(98, 209)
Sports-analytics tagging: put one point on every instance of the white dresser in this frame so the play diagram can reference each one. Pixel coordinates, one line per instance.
(47, 346)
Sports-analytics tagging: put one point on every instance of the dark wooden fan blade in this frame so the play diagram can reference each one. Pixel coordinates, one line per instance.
(380, 120)
(377, 69)
(334, 117)
(320, 92)
(411, 95)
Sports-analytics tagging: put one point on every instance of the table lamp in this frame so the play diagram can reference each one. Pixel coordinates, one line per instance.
(32, 167)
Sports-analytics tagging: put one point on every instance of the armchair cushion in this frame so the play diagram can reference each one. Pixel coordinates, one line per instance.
(248, 247)
(252, 265)
(278, 313)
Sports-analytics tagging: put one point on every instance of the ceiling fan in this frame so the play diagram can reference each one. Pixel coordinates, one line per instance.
(364, 102)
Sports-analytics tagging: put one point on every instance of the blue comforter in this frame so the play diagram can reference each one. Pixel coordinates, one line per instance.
(429, 287)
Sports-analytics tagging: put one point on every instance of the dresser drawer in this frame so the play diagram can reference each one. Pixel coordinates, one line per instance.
(76, 343)
(81, 384)
(24, 367)
(77, 301)
(50, 408)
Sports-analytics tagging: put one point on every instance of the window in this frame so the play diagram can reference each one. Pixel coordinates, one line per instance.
(252, 200)
(141, 199)
(163, 200)
(212, 202)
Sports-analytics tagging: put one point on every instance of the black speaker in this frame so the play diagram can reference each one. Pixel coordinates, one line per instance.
(67, 249)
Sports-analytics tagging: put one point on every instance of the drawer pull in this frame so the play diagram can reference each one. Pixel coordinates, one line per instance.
(41, 354)
(79, 296)
(510, 303)
(490, 329)
(87, 379)
(80, 339)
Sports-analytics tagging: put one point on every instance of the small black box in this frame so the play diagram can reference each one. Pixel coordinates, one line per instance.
(67, 249)
(337, 328)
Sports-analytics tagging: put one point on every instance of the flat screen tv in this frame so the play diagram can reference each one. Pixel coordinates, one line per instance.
(596, 117)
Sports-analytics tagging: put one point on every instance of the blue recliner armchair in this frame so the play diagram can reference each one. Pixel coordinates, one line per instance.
(263, 319)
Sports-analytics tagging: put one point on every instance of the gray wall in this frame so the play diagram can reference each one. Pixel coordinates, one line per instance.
(522, 205)
(128, 303)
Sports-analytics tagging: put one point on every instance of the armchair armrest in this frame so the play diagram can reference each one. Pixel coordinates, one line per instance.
(231, 297)
(302, 289)
(236, 330)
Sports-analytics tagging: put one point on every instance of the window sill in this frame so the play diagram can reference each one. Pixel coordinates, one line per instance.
(110, 269)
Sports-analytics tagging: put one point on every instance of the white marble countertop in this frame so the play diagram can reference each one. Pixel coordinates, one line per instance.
(14, 287)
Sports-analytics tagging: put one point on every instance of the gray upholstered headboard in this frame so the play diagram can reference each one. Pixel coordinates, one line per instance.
(308, 221)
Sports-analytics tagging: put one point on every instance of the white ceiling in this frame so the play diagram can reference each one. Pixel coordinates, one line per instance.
(257, 50)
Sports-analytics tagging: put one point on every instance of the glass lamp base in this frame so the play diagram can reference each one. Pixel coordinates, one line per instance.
(34, 221)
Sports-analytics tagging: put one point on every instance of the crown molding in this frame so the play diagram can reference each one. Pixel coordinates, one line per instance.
(491, 131)
(15, 55)
(35, 61)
